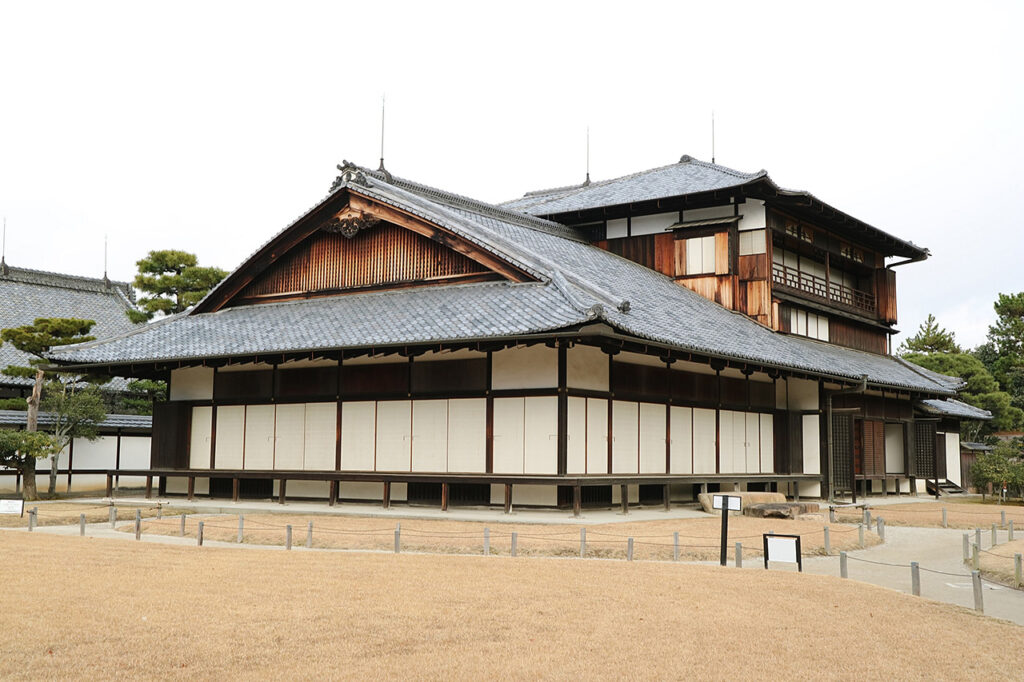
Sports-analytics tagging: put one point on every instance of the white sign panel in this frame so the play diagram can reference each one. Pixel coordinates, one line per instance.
(782, 549)
(12, 507)
(719, 501)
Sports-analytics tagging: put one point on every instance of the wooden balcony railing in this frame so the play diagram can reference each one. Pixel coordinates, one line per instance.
(817, 286)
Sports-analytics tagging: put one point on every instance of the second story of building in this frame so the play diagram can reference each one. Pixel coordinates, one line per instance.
(783, 257)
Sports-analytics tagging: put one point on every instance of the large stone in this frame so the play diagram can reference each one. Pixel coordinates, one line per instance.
(706, 499)
(780, 510)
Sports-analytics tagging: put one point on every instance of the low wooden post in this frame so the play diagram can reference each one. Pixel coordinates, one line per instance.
(515, 538)
(843, 570)
(113, 516)
(665, 494)
(149, 486)
(1009, 530)
(967, 547)
(288, 536)
(624, 498)
(33, 519)
(444, 497)
(915, 579)
(977, 537)
(629, 549)
(138, 524)
(309, 536)
(191, 488)
(386, 501)
(398, 538)
(577, 500)
(1017, 578)
(199, 535)
(110, 485)
(508, 498)
(182, 533)
(828, 541)
(739, 555)
(976, 557)
(159, 511)
(979, 604)
(236, 485)
(333, 493)
(994, 540)
(945, 519)
(675, 546)
(282, 491)
(583, 543)
(241, 528)
(831, 514)
(1002, 518)
(487, 541)
(867, 517)
(860, 534)
(81, 525)
(880, 524)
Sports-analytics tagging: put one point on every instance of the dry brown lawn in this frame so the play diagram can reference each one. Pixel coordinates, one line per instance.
(67, 513)
(149, 611)
(653, 540)
(929, 514)
(997, 562)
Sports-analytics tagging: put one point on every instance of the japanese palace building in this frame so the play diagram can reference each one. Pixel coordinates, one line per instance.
(646, 336)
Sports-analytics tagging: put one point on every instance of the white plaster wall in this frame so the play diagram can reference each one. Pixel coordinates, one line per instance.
(753, 216)
(530, 495)
(246, 367)
(586, 368)
(692, 367)
(617, 228)
(135, 454)
(430, 436)
(399, 492)
(230, 437)
(682, 440)
(652, 438)
(540, 440)
(781, 394)
(98, 454)
(394, 435)
(577, 436)
(525, 367)
(290, 436)
(509, 424)
(625, 437)
(358, 434)
(379, 360)
(752, 445)
(723, 211)
(461, 354)
(653, 224)
(597, 436)
(812, 447)
(307, 363)
(894, 448)
(640, 359)
(321, 434)
(358, 490)
(318, 490)
(199, 445)
(704, 435)
(178, 485)
(810, 489)
(803, 394)
(192, 383)
(467, 435)
(259, 437)
(767, 444)
(953, 472)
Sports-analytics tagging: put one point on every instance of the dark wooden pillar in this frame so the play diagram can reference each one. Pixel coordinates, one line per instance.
(281, 491)
(149, 486)
(333, 493)
(624, 495)
(563, 410)
(110, 484)
(508, 498)
(577, 499)
(387, 495)
(191, 488)
(667, 499)
(235, 485)
(444, 497)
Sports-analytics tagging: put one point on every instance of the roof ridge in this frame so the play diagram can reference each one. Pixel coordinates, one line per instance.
(13, 272)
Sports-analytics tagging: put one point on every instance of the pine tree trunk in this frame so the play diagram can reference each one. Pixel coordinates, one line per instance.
(28, 477)
(32, 417)
(52, 488)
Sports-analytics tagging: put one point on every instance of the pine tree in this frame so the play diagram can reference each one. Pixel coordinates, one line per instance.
(174, 281)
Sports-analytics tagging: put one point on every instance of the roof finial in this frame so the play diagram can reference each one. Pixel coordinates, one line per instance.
(587, 181)
(381, 168)
(4, 270)
(106, 280)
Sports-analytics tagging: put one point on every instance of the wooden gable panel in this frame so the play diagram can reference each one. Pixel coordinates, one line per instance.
(382, 256)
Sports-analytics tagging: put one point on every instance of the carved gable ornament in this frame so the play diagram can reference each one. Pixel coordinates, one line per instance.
(349, 222)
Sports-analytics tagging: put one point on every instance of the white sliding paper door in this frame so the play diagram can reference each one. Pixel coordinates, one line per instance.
(321, 436)
(394, 435)
(682, 440)
(230, 437)
(430, 436)
(597, 436)
(259, 437)
(509, 423)
(467, 435)
(358, 435)
(540, 440)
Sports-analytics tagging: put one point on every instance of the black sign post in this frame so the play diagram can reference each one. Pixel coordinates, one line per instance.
(726, 503)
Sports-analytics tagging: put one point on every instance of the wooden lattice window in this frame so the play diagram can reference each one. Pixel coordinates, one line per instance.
(924, 449)
(842, 451)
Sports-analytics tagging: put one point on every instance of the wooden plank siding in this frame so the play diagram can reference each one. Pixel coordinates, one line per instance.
(380, 256)
(843, 333)
(885, 296)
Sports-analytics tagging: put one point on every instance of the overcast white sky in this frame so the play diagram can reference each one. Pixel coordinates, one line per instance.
(209, 126)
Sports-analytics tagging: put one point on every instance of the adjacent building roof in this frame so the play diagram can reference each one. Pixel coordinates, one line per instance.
(953, 408)
(975, 447)
(17, 418)
(688, 177)
(577, 284)
(30, 294)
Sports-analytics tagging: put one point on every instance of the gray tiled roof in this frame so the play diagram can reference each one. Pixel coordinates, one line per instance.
(953, 408)
(28, 294)
(689, 176)
(577, 283)
(113, 421)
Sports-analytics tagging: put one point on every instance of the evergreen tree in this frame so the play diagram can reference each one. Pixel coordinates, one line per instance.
(930, 338)
(174, 281)
(1006, 338)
